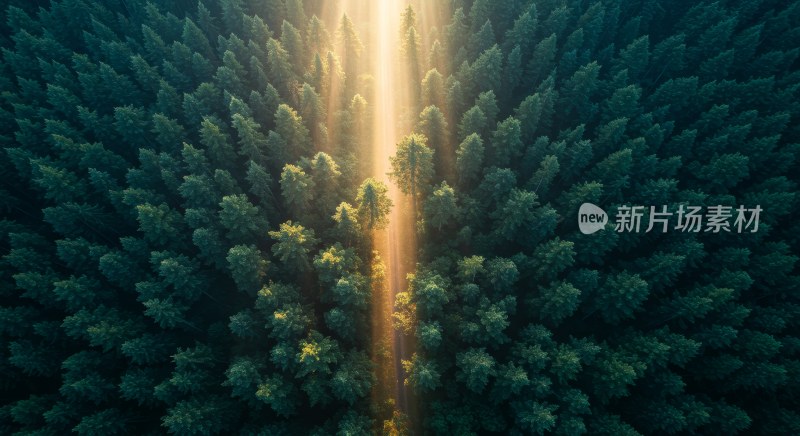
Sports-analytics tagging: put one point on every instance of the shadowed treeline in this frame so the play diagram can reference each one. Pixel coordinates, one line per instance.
(525, 325)
(186, 228)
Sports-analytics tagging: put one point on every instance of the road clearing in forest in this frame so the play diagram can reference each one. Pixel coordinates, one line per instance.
(378, 24)
(396, 243)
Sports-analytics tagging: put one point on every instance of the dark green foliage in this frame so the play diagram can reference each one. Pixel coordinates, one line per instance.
(526, 326)
(180, 256)
(153, 150)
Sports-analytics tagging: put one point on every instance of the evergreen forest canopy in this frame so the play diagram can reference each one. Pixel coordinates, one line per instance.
(187, 218)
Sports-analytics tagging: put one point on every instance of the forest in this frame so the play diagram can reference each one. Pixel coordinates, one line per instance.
(198, 236)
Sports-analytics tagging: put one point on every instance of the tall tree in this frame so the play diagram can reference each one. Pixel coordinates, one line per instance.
(293, 243)
(373, 204)
(412, 165)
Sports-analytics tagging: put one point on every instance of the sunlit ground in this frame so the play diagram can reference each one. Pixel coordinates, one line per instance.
(378, 23)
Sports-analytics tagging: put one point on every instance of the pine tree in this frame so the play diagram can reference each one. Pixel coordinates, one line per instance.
(297, 188)
(293, 243)
(373, 205)
(412, 165)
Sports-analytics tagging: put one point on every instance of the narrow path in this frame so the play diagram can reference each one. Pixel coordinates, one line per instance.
(378, 24)
(398, 250)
